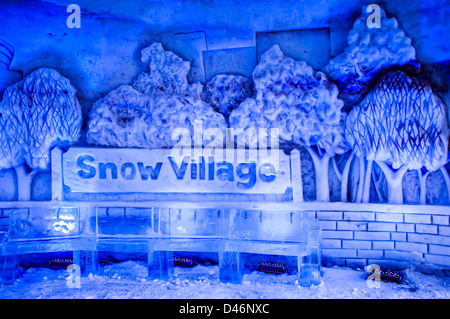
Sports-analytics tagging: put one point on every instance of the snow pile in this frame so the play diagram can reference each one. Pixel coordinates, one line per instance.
(370, 52)
(37, 114)
(401, 121)
(128, 280)
(292, 97)
(226, 92)
(146, 114)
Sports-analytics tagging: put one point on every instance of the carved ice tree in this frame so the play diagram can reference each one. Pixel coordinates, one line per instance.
(145, 114)
(225, 92)
(37, 114)
(302, 104)
(401, 124)
(370, 53)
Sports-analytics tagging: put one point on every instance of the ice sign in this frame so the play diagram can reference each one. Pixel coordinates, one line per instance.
(100, 170)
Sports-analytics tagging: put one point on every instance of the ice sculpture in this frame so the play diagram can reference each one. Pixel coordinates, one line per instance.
(37, 114)
(370, 52)
(401, 124)
(302, 103)
(233, 234)
(145, 115)
(167, 73)
(225, 92)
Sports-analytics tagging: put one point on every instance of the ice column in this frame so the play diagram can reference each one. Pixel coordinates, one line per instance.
(87, 261)
(310, 265)
(8, 266)
(231, 267)
(160, 265)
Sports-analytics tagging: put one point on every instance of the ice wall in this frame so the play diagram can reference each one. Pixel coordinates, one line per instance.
(105, 52)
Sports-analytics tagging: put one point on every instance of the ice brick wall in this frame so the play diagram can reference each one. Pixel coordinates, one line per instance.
(388, 239)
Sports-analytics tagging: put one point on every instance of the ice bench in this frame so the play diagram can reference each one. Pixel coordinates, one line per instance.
(160, 232)
(134, 200)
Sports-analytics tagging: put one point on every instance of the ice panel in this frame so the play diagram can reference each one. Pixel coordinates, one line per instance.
(270, 225)
(43, 223)
(195, 244)
(194, 223)
(268, 248)
(42, 246)
(240, 61)
(298, 44)
(126, 222)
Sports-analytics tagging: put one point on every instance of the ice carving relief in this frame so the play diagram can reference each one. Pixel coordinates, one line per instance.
(401, 124)
(146, 114)
(37, 114)
(302, 104)
(370, 53)
(361, 123)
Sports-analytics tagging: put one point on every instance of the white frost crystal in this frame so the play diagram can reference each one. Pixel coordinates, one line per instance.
(146, 114)
(370, 52)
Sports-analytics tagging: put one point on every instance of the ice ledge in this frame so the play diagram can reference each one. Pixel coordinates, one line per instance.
(299, 206)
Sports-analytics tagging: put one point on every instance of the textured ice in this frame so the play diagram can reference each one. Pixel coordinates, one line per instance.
(291, 96)
(225, 92)
(401, 124)
(302, 104)
(145, 115)
(37, 114)
(401, 121)
(167, 72)
(370, 52)
(161, 232)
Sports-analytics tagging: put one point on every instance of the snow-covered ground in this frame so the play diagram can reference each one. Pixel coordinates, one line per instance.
(127, 280)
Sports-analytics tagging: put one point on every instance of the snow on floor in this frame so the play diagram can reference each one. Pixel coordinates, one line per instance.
(127, 280)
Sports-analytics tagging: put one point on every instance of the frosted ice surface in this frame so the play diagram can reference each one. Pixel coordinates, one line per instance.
(370, 52)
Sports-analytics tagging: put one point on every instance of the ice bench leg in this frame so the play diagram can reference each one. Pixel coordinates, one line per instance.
(310, 267)
(8, 269)
(87, 261)
(160, 265)
(231, 267)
